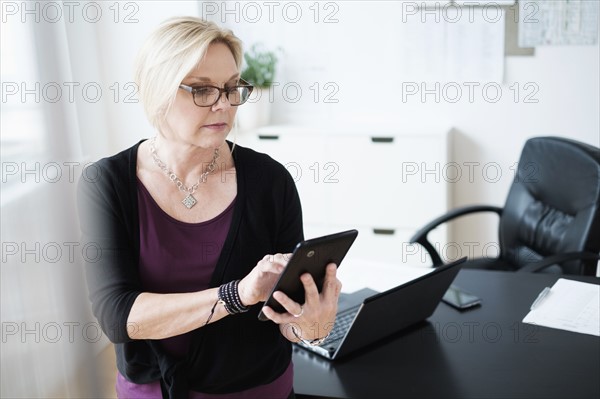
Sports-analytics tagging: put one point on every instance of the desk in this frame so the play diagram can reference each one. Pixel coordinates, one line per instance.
(486, 352)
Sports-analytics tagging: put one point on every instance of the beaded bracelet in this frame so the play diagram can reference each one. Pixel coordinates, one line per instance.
(229, 295)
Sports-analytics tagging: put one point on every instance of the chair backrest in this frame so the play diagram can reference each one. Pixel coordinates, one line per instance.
(553, 205)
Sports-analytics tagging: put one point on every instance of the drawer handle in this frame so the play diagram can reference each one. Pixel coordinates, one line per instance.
(268, 137)
(382, 139)
(387, 232)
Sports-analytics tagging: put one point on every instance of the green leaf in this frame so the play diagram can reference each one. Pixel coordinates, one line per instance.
(259, 66)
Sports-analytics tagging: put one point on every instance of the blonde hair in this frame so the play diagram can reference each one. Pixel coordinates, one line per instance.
(169, 54)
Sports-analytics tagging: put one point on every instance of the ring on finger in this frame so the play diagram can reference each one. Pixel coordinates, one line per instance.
(301, 312)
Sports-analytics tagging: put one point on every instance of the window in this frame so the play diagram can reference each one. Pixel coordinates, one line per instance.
(22, 130)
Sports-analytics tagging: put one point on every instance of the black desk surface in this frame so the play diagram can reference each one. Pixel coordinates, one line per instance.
(486, 352)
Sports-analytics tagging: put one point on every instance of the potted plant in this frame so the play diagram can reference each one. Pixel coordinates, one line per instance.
(259, 70)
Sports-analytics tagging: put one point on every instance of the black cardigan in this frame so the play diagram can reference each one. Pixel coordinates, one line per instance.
(233, 354)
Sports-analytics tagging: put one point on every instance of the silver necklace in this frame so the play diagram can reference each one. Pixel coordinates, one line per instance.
(189, 201)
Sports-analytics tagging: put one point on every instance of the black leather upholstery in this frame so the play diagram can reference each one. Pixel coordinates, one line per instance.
(553, 207)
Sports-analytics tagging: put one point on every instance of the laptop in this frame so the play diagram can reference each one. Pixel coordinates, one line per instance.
(366, 316)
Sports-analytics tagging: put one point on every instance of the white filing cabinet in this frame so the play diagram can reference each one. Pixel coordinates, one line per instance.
(386, 184)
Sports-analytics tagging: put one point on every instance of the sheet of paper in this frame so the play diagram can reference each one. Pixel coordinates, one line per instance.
(570, 305)
(475, 48)
(437, 46)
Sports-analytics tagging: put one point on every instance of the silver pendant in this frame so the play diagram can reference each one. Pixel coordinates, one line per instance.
(189, 201)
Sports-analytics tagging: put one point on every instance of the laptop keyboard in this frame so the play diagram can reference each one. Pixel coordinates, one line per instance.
(341, 326)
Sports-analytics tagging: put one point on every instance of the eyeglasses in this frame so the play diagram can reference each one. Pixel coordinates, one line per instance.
(207, 96)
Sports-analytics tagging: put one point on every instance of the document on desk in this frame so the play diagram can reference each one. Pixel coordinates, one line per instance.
(568, 305)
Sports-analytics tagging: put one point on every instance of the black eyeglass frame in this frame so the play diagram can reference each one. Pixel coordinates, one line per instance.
(194, 89)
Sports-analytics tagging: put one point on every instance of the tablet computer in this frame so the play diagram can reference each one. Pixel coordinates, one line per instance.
(310, 256)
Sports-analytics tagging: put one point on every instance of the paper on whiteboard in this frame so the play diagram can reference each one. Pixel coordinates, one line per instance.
(558, 22)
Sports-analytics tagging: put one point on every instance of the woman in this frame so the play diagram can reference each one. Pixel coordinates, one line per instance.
(192, 230)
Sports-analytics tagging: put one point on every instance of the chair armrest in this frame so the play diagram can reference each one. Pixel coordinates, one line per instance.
(557, 259)
(420, 236)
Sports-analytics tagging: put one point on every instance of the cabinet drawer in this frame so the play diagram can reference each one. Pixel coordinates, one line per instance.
(395, 183)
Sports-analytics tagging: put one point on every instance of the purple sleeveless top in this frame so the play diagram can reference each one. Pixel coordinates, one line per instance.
(177, 257)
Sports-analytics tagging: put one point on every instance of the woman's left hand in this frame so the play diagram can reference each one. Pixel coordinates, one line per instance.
(315, 318)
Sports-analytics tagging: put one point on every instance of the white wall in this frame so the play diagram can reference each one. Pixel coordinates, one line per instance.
(360, 54)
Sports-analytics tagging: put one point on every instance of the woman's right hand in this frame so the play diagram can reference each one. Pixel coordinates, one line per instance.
(257, 285)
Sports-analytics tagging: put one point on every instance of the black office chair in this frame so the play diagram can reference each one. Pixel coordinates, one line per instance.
(551, 218)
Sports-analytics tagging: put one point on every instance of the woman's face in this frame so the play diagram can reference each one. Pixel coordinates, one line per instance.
(205, 127)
